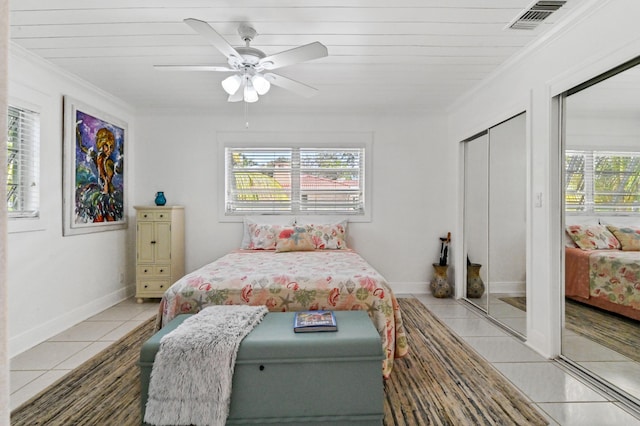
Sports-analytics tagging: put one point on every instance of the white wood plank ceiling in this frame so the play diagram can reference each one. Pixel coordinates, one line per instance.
(384, 55)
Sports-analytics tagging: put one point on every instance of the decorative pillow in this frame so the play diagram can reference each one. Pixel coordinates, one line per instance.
(328, 236)
(629, 237)
(294, 239)
(589, 237)
(263, 237)
(264, 221)
(568, 241)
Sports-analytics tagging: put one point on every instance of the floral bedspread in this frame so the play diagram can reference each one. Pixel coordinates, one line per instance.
(293, 281)
(615, 276)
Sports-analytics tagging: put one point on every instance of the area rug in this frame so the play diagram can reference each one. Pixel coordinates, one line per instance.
(613, 331)
(442, 381)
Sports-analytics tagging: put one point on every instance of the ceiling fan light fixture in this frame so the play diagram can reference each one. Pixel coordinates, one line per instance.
(231, 84)
(248, 63)
(261, 84)
(250, 93)
(267, 64)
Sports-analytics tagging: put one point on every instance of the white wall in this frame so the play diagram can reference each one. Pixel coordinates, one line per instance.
(602, 133)
(55, 281)
(593, 43)
(177, 153)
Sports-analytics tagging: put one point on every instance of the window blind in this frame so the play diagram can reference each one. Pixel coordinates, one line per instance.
(258, 180)
(602, 181)
(23, 163)
(294, 180)
(330, 180)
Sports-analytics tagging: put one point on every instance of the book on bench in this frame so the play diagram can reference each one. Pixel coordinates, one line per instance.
(308, 321)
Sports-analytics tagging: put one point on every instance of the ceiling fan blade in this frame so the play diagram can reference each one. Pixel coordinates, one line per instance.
(193, 68)
(239, 95)
(289, 84)
(212, 36)
(296, 55)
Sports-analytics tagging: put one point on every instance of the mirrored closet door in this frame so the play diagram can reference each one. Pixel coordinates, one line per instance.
(476, 218)
(601, 158)
(495, 222)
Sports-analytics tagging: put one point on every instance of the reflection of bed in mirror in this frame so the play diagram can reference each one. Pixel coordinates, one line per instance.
(607, 275)
(617, 291)
(601, 159)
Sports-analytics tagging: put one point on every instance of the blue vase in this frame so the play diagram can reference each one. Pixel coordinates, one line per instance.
(160, 199)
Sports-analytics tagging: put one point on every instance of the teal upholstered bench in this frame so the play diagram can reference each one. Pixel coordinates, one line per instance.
(282, 377)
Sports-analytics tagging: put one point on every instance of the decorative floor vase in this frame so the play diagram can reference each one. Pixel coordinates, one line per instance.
(475, 286)
(440, 286)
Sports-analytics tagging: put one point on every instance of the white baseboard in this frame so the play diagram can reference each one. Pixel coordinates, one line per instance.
(509, 287)
(36, 335)
(410, 288)
(423, 287)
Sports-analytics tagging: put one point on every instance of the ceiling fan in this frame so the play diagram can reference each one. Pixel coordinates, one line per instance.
(251, 66)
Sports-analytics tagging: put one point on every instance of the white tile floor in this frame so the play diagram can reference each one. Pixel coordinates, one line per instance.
(37, 368)
(562, 398)
(606, 363)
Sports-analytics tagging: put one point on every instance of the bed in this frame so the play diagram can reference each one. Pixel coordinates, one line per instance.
(604, 269)
(293, 280)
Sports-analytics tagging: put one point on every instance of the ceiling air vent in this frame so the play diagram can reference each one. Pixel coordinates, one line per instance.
(534, 15)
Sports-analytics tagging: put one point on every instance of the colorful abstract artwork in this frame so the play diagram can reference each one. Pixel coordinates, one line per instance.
(94, 170)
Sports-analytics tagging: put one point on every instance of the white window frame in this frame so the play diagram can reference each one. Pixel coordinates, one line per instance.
(292, 140)
(18, 222)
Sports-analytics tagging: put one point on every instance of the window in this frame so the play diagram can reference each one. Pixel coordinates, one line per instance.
(23, 140)
(600, 181)
(296, 179)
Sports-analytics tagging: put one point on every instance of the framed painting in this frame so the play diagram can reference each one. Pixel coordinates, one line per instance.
(94, 174)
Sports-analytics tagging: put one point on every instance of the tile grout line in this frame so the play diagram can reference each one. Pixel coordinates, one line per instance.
(135, 311)
(607, 400)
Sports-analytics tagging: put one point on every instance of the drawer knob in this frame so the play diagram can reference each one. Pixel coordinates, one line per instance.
(161, 270)
(161, 285)
(145, 215)
(145, 286)
(145, 270)
(153, 242)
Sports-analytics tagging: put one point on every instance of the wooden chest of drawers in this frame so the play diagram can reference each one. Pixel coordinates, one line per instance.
(159, 249)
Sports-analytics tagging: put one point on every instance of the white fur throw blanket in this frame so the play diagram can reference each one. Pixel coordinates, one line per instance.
(193, 369)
